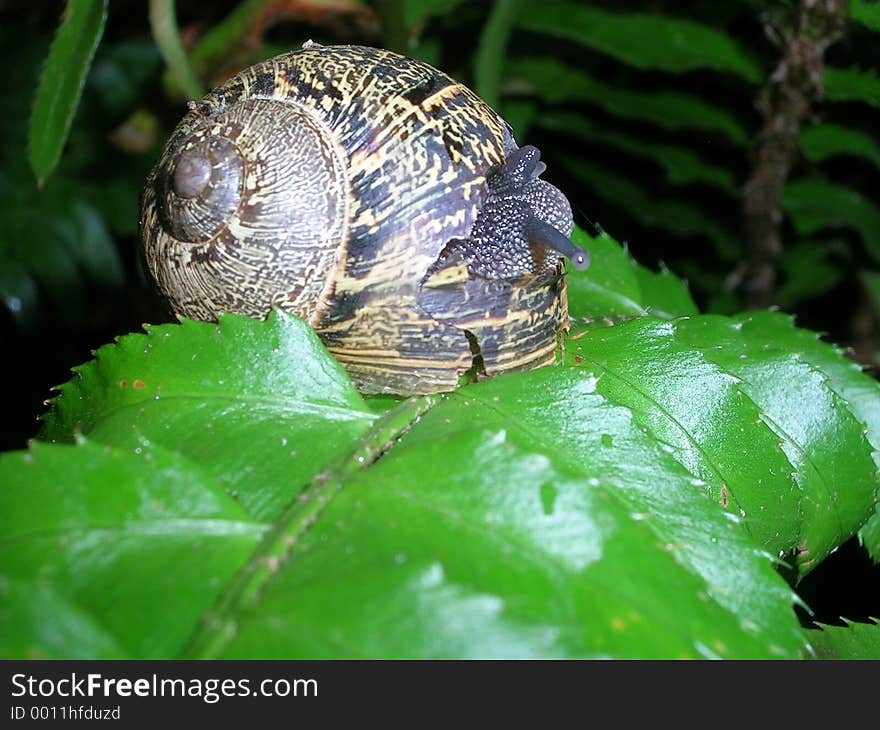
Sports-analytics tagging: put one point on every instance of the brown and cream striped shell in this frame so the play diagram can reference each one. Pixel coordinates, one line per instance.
(328, 182)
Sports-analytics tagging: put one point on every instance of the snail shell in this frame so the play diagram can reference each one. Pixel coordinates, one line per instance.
(344, 184)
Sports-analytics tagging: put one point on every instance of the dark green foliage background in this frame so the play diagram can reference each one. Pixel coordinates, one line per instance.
(644, 112)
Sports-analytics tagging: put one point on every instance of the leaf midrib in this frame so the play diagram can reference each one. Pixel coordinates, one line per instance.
(246, 588)
(324, 488)
(672, 419)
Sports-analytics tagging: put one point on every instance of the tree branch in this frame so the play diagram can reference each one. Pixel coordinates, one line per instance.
(785, 102)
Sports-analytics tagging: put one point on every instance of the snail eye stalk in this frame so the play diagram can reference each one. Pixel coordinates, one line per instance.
(537, 231)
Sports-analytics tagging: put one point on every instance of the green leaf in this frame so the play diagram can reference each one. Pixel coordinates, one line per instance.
(866, 12)
(54, 245)
(810, 271)
(665, 295)
(32, 241)
(821, 436)
(609, 287)
(520, 114)
(616, 286)
(682, 166)
(815, 205)
(231, 470)
(490, 527)
(117, 542)
(849, 84)
(522, 545)
(18, 290)
(844, 377)
(62, 81)
(273, 387)
(117, 199)
(871, 282)
(37, 623)
(823, 141)
(775, 462)
(869, 536)
(853, 641)
(121, 75)
(53, 239)
(642, 40)
(555, 83)
(668, 214)
(88, 240)
(416, 11)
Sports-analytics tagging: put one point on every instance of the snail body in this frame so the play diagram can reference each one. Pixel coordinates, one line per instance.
(374, 197)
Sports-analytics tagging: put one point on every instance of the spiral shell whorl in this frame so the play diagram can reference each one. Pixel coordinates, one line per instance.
(329, 181)
(203, 189)
(251, 204)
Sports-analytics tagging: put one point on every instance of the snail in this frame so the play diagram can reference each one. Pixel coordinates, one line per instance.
(374, 197)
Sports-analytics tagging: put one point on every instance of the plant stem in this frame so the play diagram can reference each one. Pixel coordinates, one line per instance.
(865, 324)
(163, 23)
(220, 42)
(785, 102)
(489, 61)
